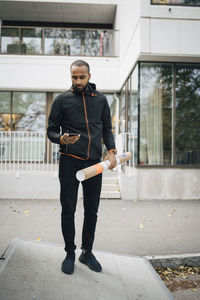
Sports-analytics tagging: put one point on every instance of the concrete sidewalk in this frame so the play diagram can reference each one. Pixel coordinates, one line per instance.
(32, 271)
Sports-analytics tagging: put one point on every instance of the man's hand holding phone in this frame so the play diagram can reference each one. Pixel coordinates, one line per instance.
(70, 138)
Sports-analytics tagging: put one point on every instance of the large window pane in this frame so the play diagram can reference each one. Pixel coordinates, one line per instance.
(57, 41)
(188, 114)
(29, 111)
(155, 113)
(122, 110)
(177, 2)
(112, 105)
(32, 40)
(10, 41)
(5, 111)
(134, 113)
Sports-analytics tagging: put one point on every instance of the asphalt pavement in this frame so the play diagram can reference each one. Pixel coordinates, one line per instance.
(132, 227)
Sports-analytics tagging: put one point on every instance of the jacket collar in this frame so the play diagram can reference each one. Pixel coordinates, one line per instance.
(89, 89)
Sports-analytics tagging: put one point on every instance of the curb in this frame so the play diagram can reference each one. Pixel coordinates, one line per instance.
(173, 261)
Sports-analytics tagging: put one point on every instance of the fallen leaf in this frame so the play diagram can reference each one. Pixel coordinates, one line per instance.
(38, 239)
(123, 207)
(194, 290)
(141, 226)
(135, 200)
(169, 215)
(26, 211)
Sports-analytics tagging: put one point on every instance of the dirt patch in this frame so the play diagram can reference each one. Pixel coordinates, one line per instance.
(182, 278)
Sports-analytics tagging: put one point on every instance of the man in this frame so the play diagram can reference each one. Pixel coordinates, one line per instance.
(82, 111)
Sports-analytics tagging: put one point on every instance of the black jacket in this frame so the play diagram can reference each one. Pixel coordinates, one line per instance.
(86, 113)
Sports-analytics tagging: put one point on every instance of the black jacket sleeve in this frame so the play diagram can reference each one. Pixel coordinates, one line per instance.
(54, 122)
(107, 128)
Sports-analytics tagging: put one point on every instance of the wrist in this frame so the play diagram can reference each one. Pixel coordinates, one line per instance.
(114, 151)
(62, 140)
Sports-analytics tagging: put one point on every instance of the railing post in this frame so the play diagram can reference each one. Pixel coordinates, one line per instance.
(48, 148)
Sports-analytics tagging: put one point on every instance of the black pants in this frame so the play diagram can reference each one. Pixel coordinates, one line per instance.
(68, 196)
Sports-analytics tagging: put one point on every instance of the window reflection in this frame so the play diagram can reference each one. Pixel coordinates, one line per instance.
(134, 113)
(155, 113)
(58, 41)
(21, 41)
(177, 2)
(27, 112)
(10, 41)
(187, 114)
(29, 109)
(5, 111)
(112, 105)
(122, 110)
(31, 39)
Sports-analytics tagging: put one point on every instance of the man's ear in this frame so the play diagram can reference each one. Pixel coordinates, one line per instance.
(89, 75)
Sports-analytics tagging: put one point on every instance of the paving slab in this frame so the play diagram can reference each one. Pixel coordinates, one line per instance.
(31, 270)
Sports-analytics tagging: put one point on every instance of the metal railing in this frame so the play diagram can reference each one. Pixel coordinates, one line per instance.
(126, 142)
(27, 151)
(59, 41)
(32, 151)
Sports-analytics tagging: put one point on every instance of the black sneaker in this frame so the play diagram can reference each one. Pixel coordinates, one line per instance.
(90, 260)
(68, 263)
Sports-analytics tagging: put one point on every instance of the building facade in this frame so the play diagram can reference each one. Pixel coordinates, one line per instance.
(144, 55)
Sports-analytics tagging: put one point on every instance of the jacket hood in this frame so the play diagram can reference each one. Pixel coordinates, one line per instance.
(89, 89)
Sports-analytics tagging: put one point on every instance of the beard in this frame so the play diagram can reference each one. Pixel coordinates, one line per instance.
(78, 88)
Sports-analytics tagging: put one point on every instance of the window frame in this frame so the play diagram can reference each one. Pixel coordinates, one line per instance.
(175, 4)
(173, 159)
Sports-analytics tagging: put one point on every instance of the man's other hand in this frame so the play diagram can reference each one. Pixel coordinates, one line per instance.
(70, 139)
(111, 157)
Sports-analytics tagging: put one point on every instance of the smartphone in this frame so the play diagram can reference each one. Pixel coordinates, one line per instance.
(73, 134)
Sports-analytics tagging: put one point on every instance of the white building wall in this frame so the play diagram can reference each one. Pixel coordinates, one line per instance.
(154, 32)
(161, 184)
(44, 73)
(145, 31)
(148, 32)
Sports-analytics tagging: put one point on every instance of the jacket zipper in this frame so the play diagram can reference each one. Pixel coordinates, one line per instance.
(87, 124)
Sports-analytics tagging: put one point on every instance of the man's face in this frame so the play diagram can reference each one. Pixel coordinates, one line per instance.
(80, 76)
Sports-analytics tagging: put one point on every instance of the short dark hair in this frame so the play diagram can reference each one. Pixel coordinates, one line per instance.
(80, 63)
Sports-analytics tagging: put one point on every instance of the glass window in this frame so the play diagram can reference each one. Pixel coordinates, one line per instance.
(112, 105)
(134, 113)
(10, 41)
(57, 41)
(92, 44)
(29, 111)
(77, 42)
(155, 113)
(188, 114)
(98, 43)
(31, 40)
(122, 110)
(177, 2)
(5, 111)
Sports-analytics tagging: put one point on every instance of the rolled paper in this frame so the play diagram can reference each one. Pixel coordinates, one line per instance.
(96, 169)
